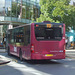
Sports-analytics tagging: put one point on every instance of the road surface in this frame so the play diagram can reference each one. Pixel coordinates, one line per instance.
(53, 67)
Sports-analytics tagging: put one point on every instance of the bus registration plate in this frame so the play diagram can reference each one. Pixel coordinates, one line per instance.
(49, 55)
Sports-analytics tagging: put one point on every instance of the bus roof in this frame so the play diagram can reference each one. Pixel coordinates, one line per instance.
(41, 23)
(50, 23)
(20, 26)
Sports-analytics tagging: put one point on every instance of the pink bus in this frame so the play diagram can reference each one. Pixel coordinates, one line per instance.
(37, 41)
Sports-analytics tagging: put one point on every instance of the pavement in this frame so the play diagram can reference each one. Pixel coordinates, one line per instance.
(70, 53)
(3, 60)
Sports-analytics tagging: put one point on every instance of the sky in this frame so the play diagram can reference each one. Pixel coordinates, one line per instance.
(72, 1)
(1, 3)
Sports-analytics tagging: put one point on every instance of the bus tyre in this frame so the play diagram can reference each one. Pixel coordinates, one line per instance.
(20, 55)
(8, 51)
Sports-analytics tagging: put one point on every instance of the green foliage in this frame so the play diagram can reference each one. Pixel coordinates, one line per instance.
(57, 11)
(14, 8)
(43, 18)
(5, 28)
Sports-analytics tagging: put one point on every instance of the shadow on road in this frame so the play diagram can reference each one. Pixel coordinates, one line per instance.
(42, 62)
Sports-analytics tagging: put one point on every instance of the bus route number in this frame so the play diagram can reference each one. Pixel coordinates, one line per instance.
(48, 25)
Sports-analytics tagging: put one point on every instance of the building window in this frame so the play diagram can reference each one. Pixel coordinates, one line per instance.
(23, 9)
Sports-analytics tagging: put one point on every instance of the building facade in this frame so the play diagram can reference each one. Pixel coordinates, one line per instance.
(74, 3)
(1, 34)
(24, 11)
(14, 12)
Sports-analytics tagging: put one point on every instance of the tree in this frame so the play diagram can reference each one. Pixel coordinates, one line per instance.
(57, 11)
(5, 28)
(15, 9)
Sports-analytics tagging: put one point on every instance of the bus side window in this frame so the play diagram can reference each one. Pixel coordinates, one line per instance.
(27, 35)
(20, 35)
(12, 37)
(9, 36)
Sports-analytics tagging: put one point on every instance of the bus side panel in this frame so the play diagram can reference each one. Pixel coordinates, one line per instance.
(26, 52)
(11, 48)
(13, 51)
(22, 46)
(26, 49)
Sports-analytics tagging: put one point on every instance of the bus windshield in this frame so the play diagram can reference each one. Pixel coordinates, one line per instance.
(45, 32)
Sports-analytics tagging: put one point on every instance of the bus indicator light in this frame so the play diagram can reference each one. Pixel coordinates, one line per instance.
(32, 48)
(37, 25)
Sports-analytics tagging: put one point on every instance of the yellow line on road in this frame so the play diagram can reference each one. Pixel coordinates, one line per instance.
(4, 64)
(14, 60)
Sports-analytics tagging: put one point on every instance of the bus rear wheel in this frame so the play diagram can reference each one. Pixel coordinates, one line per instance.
(8, 51)
(20, 55)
